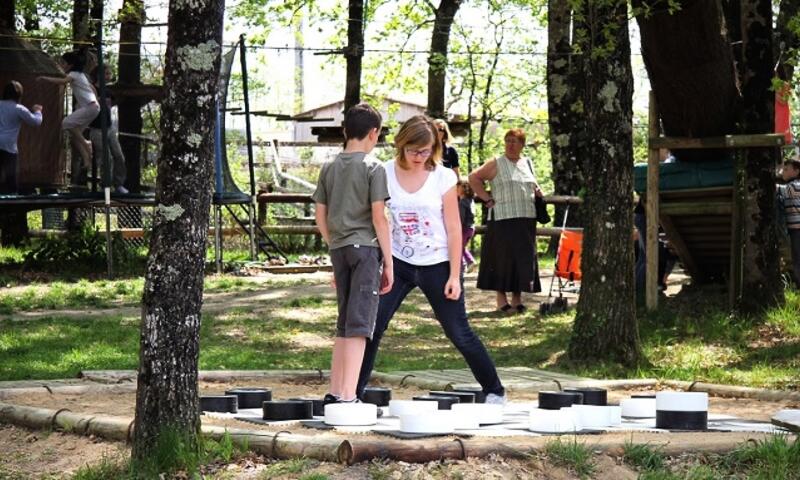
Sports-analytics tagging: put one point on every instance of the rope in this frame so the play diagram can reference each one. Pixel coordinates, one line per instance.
(55, 415)
(275, 440)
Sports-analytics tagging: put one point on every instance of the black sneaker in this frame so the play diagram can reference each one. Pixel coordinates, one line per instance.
(330, 398)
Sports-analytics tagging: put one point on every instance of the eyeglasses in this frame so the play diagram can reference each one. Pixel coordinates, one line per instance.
(418, 153)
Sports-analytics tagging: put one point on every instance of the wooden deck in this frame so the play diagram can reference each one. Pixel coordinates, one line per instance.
(698, 224)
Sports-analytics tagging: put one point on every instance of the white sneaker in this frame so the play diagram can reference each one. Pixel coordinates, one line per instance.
(122, 190)
(494, 399)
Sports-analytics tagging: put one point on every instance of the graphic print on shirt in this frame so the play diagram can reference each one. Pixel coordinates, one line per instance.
(412, 231)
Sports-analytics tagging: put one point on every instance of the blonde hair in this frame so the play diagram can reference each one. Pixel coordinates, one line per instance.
(416, 132)
(439, 123)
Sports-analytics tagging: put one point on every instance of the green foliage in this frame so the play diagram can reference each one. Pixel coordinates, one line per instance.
(287, 467)
(106, 469)
(222, 450)
(643, 456)
(777, 456)
(573, 455)
(315, 476)
(179, 452)
(84, 245)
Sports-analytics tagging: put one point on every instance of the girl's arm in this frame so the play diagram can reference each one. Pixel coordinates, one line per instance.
(56, 80)
(452, 224)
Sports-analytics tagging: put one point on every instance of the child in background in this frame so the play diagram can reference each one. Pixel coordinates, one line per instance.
(789, 196)
(465, 196)
(350, 212)
(85, 96)
(12, 116)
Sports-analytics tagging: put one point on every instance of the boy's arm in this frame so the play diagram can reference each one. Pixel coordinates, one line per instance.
(321, 216)
(381, 225)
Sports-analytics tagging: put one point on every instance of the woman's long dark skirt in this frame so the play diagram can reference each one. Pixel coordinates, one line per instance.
(508, 256)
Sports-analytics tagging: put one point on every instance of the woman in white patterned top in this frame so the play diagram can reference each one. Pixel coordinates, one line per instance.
(508, 252)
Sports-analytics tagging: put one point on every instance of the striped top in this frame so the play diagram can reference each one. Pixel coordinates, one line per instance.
(513, 189)
(790, 194)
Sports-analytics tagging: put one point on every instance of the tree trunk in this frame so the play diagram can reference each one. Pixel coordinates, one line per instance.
(167, 397)
(129, 109)
(732, 12)
(691, 70)
(354, 53)
(80, 24)
(437, 61)
(761, 259)
(8, 15)
(96, 14)
(605, 325)
(562, 102)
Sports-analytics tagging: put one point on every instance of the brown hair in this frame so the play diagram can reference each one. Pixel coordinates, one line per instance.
(359, 120)
(416, 132)
(13, 91)
(517, 133)
(794, 163)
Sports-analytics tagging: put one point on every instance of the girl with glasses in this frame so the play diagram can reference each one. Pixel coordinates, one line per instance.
(426, 250)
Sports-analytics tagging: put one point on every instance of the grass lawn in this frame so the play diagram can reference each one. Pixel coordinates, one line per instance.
(691, 338)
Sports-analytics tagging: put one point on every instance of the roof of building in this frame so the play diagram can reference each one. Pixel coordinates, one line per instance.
(22, 56)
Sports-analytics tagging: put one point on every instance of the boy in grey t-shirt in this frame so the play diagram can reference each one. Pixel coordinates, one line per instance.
(350, 202)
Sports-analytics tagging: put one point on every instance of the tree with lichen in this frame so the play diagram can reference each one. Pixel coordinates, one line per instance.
(167, 414)
(564, 110)
(605, 325)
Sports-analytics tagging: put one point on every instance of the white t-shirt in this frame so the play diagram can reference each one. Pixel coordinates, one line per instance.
(419, 236)
(82, 89)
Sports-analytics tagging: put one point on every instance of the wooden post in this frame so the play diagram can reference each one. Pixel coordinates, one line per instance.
(651, 211)
(737, 232)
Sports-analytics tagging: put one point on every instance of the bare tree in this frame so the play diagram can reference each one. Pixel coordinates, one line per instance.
(166, 397)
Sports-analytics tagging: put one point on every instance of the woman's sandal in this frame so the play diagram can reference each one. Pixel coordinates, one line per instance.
(505, 308)
(521, 308)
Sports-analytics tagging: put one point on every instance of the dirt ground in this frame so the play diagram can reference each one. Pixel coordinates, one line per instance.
(39, 454)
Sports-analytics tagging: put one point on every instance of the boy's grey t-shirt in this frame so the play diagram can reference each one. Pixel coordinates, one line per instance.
(348, 186)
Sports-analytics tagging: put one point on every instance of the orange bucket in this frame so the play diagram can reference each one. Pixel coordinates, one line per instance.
(569, 255)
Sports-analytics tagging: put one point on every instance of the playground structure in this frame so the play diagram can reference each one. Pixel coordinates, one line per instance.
(43, 163)
(701, 214)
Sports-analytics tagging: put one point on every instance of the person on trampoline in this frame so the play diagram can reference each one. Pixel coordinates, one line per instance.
(73, 63)
(12, 116)
(350, 213)
(426, 246)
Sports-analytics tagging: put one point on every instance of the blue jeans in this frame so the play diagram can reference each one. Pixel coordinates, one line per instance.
(451, 314)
